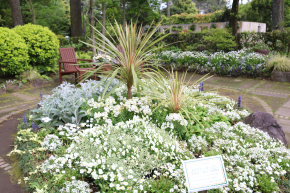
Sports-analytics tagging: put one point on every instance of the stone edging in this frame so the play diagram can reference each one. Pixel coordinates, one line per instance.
(5, 166)
(265, 106)
(22, 103)
(2, 119)
(247, 90)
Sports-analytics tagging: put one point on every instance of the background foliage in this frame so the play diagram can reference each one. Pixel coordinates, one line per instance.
(42, 46)
(13, 53)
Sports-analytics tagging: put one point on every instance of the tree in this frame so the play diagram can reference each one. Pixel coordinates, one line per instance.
(183, 6)
(277, 14)
(76, 18)
(210, 6)
(261, 11)
(16, 12)
(234, 17)
(103, 22)
(92, 21)
(124, 14)
(168, 8)
(31, 9)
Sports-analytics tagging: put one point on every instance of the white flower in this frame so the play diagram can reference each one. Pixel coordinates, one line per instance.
(46, 119)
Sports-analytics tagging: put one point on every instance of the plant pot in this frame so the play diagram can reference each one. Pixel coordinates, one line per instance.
(262, 51)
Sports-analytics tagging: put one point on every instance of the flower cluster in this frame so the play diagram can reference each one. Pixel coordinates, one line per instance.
(233, 63)
(51, 142)
(76, 186)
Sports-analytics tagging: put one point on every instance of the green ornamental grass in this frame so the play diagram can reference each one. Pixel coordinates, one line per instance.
(279, 63)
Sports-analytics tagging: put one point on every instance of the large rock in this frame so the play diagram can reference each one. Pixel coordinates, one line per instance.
(280, 76)
(266, 123)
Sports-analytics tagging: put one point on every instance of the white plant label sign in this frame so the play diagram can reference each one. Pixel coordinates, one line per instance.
(205, 173)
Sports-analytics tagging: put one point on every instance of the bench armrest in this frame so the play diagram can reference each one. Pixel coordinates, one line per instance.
(89, 60)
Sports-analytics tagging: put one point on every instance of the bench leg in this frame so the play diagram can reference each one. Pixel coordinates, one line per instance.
(60, 78)
(76, 77)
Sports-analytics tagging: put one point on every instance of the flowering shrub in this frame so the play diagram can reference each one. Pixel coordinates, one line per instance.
(51, 142)
(135, 145)
(76, 186)
(233, 63)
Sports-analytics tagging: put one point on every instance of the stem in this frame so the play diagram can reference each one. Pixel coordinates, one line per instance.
(129, 92)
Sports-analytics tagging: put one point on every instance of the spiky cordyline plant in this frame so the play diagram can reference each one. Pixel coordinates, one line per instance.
(170, 90)
(137, 60)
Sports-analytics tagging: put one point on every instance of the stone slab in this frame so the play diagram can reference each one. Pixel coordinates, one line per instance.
(286, 128)
(284, 121)
(283, 111)
(6, 111)
(2, 162)
(281, 91)
(7, 168)
(248, 84)
(3, 166)
(273, 102)
(287, 104)
(270, 94)
(23, 96)
(10, 103)
(267, 84)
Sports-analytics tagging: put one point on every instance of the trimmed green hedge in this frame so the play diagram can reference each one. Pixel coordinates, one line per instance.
(14, 57)
(277, 41)
(42, 45)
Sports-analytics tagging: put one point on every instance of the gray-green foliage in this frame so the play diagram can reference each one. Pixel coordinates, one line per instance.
(65, 103)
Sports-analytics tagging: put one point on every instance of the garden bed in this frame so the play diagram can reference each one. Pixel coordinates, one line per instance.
(235, 63)
(78, 141)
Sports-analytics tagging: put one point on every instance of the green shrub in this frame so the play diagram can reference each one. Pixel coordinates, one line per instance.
(219, 39)
(279, 63)
(62, 40)
(14, 57)
(213, 26)
(176, 29)
(192, 27)
(42, 45)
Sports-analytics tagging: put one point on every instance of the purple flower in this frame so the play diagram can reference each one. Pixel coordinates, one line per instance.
(33, 125)
(38, 106)
(41, 96)
(239, 101)
(25, 120)
(201, 85)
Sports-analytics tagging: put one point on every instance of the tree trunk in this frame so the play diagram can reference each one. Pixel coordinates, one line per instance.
(92, 20)
(234, 18)
(277, 15)
(76, 18)
(168, 9)
(30, 6)
(129, 96)
(16, 12)
(103, 23)
(124, 14)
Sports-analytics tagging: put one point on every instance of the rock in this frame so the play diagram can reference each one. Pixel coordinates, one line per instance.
(280, 76)
(266, 123)
(262, 51)
(37, 83)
